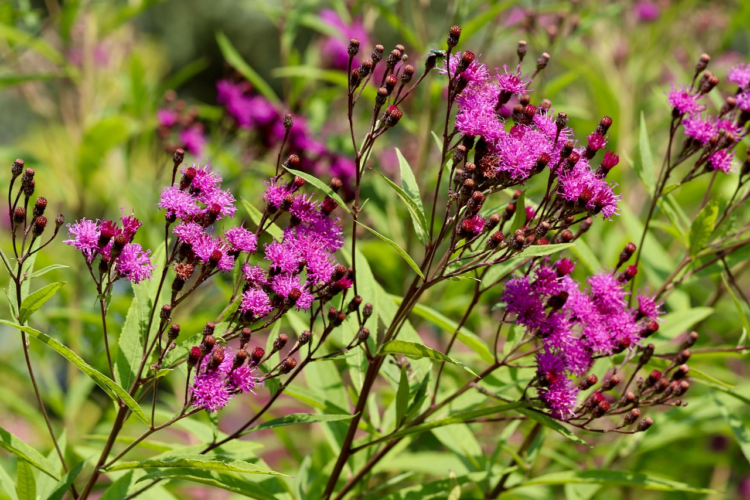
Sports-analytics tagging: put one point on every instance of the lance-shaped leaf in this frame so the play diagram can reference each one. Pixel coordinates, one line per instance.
(226, 481)
(614, 478)
(398, 249)
(703, 226)
(37, 299)
(25, 452)
(237, 62)
(417, 216)
(553, 424)
(415, 350)
(202, 462)
(257, 216)
(113, 390)
(296, 419)
(320, 185)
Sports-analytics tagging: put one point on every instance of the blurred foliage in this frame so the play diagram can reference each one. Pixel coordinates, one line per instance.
(80, 85)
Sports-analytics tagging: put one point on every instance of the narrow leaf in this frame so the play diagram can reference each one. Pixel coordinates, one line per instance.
(418, 351)
(226, 481)
(740, 431)
(409, 182)
(552, 424)
(113, 390)
(132, 336)
(237, 62)
(402, 396)
(45, 270)
(703, 226)
(297, 419)
(25, 482)
(417, 215)
(64, 485)
(398, 249)
(614, 478)
(37, 299)
(737, 305)
(320, 185)
(25, 452)
(203, 462)
(542, 250)
(677, 322)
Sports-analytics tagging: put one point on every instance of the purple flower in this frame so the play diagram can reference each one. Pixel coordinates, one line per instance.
(194, 139)
(177, 203)
(721, 160)
(256, 302)
(242, 379)
(606, 292)
(740, 74)
(743, 101)
(284, 257)
(209, 391)
(698, 128)
(565, 267)
(130, 225)
(166, 117)
(204, 249)
(275, 194)
(334, 49)
(557, 391)
(648, 307)
(513, 83)
(284, 284)
(85, 237)
(519, 150)
(188, 232)
(476, 115)
(134, 264)
(646, 11)
(475, 73)
(683, 101)
(522, 301)
(304, 209)
(597, 141)
(241, 239)
(473, 225)
(255, 275)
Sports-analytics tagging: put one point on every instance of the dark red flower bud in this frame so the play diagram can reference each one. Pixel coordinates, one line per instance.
(541, 63)
(681, 372)
(610, 383)
(39, 224)
(644, 424)
(217, 357)
(194, 355)
(392, 116)
(390, 83)
(353, 48)
(258, 354)
(453, 36)
(363, 334)
(245, 335)
(632, 416)
(588, 382)
(40, 206)
(280, 342)
(178, 157)
(166, 312)
(288, 365)
(17, 168)
(377, 53)
(304, 337)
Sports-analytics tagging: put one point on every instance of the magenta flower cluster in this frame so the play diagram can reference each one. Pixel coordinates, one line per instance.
(114, 245)
(576, 324)
(219, 376)
(535, 139)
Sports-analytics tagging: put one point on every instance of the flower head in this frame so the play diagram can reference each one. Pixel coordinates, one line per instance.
(683, 101)
(134, 264)
(740, 74)
(84, 237)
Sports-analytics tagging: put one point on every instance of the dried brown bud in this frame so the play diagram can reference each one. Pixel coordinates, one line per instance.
(17, 168)
(304, 337)
(541, 63)
(288, 365)
(280, 342)
(288, 121)
(407, 73)
(454, 35)
(644, 424)
(367, 311)
(166, 312)
(521, 50)
(632, 416)
(353, 48)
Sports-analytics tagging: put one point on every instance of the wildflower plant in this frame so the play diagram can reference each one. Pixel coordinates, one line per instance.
(515, 190)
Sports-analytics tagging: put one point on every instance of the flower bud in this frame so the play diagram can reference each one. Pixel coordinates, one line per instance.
(17, 168)
(39, 206)
(288, 121)
(340, 317)
(495, 239)
(367, 311)
(604, 125)
(691, 338)
(651, 328)
(588, 382)
(304, 337)
(166, 312)
(541, 63)
(610, 383)
(377, 54)
(354, 78)
(392, 116)
(632, 416)
(521, 50)
(194, 356)
(390, 83)
(178, 157)
(644, 424)
(702, 63)
(174, 331)
(280, 342)
(208, 343)
(466, 59)
(258, 354)
(239, 359)
(217, 358)
(354, 303)
(454, 35)
(288, 365)
(353, 48)
(59, 221)
(407, 74)
(681, 372)
(245, 335)
(683, 356)
(630, 273)
(627, 252)
(365, 68)
(646, 354)
(363, 334)
(653, 378)
(39, 224)
(393, 58)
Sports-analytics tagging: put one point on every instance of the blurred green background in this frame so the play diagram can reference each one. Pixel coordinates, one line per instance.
(81, 84)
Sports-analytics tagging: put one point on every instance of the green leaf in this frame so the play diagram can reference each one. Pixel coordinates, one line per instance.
(37, 44)
(320, 185)
(256, 216)
(466, 337)
(64, 485)
(37, 299)
(45, 270)
(417, 215)
(542, 250)
(645, 167)
(737, 305)
(113, 390)
(552, 424)
(398, 249)
(677, 322)
(25, 482)
(418, 351)
(485, 17)
(740, 431)
(226, 481)
(7, 483)
(409, 182)
(133, 336)
(457, 418)
(519, 220)
(297, 419)
(25, 452)
(703, 226)
(237, 62)
(615, 478)
(203, 462)
(402, 396)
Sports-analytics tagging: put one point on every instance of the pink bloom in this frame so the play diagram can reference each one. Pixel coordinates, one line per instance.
(514, 83)
(740, 74)
(256, 302)
(683, 101)
(722, 161)
(166, 117)
(646, 11)
(241, 239)
(85, 237)
(193, 139)
(334, 49)
(134, 264)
